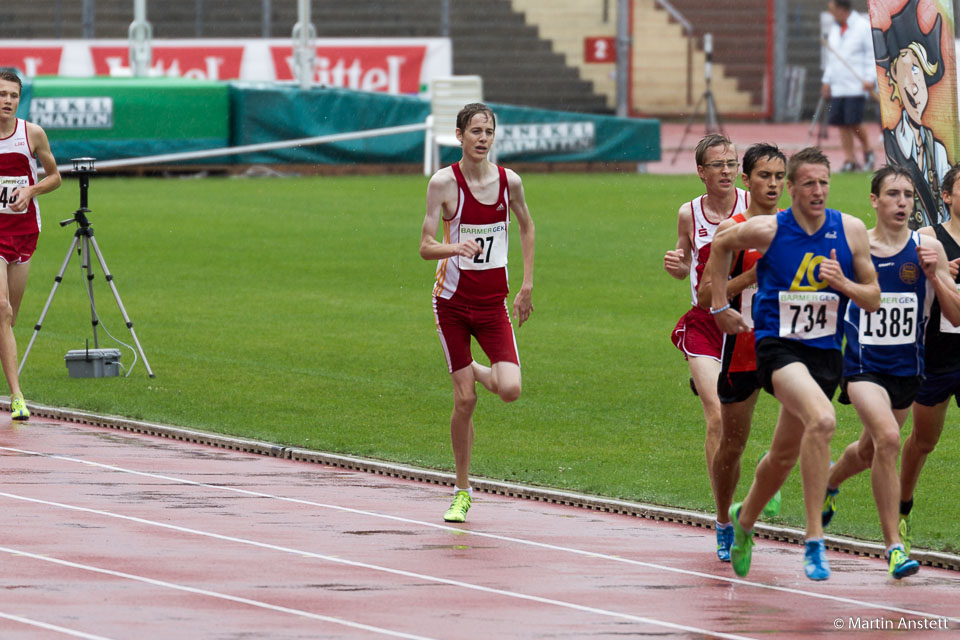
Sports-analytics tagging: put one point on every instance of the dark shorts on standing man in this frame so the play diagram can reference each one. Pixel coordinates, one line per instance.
(825, 365)
(939, 387)
(847, 110)
(901, 389)
(736, 386)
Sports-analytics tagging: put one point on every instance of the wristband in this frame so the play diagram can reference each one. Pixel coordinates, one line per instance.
(714, 312)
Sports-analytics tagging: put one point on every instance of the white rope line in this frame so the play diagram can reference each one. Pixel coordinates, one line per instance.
(253, 148)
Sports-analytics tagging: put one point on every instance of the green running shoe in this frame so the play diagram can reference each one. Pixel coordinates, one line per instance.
(901, 565)
(772, 508)
(903, 527)
(458, 508)
(829, 506)
(742, 549)
(18, 408)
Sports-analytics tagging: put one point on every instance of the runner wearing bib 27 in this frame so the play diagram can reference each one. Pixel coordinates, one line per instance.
(883, 359)
(473, 199)
(814, 260)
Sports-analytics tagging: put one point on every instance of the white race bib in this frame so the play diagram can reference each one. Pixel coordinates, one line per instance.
(492, 239)
(7, 186)
(945, 326)
(895, 322)
(805, 315)
(746, 304)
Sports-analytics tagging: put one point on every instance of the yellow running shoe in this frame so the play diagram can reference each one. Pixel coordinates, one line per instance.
(458, 508)
(901, 565)
(903, 528)
(18, 408)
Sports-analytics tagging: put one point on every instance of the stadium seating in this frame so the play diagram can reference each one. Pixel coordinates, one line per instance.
(529, 52)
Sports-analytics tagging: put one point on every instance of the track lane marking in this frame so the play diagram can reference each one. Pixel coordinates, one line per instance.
(492, 536)
(197, 591)
(365, 565)
(51, 627)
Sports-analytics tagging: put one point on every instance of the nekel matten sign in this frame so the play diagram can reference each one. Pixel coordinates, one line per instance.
(547, 137)
(72, 113)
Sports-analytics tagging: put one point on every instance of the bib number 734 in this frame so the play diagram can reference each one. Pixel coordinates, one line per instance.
(808, 315)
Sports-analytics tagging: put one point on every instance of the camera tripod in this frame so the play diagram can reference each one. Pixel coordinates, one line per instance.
(712, 121)
(84, 237)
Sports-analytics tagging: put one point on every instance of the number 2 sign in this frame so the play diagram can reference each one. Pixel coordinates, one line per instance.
(599, 49)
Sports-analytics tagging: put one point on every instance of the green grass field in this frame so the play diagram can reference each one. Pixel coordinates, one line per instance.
(298, 311)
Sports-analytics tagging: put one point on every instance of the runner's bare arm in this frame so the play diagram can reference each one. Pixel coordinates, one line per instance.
(865, 290)
(677, 261)
(953, 265)
(441, 191)
(933, 259)
(523, 303)
(756, 233)
(20, 198)
(735, 285)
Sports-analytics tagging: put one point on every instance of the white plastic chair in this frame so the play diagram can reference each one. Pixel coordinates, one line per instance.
(447, 97)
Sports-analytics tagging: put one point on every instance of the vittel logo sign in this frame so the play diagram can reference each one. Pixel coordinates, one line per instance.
(198, 63)
(387, 70)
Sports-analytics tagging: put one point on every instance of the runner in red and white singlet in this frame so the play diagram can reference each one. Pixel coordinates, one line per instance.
(20, 141)
(738, 386)
(696, 334)
(473, 199)
(481, 279)
(17, 170)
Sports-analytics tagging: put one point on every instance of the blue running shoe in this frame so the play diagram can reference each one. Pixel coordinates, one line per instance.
(829, 506)
(901, 565)
(815, 563)
(724, 540)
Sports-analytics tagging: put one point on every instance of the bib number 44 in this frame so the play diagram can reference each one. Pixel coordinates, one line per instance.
(7, 186)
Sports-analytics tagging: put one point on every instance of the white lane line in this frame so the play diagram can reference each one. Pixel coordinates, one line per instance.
(493, 536)
(194, 590)
(51, 627)
(364, 565)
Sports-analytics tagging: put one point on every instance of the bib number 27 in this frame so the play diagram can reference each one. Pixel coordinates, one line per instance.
(486, 247)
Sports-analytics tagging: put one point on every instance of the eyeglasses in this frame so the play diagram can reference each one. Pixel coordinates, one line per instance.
(720, 164)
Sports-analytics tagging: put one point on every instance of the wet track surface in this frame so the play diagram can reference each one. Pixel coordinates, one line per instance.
(111, 535)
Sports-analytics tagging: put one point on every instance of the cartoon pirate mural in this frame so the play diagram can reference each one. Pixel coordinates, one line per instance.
(914, 48)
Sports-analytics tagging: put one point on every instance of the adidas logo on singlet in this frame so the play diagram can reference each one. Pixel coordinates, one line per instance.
(500, 207)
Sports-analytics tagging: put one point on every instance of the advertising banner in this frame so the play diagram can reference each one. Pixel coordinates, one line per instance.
(914, 47)
(382, 65)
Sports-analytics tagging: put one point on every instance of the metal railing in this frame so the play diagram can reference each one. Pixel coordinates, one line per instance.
(688, 32)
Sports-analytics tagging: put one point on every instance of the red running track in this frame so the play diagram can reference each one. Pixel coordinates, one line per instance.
(111, 535)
